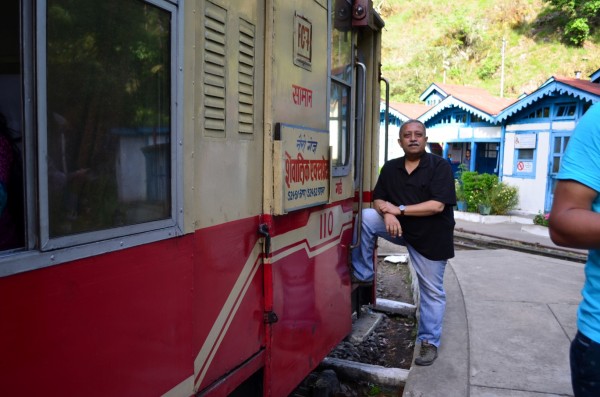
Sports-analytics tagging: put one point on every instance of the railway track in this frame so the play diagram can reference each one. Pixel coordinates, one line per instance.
(475, 241)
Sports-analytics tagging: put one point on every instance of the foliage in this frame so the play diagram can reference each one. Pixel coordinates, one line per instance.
(486, 189)
(541, 219)
(489, 67)
(460, 43)
(460, 192)
(504, 198)
(577, 31)
(582, 17)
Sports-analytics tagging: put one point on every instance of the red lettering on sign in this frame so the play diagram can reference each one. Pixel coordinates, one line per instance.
(303, 37)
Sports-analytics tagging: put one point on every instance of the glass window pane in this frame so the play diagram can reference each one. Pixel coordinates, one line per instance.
(557, 144)
(109, 114)
(341, 41)
(556, 164)
(339, 124)
(12, 219)
(525, 154)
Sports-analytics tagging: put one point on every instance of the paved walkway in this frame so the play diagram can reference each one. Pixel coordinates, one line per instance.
(509, 320)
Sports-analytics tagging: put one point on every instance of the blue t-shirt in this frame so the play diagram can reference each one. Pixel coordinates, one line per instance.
(581, 163)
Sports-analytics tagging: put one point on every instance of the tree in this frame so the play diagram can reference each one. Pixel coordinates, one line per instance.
(582, 17)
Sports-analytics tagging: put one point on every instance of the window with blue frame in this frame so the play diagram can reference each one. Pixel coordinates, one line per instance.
(525, 155)
(460, 118)
(542, 112)
(476, 119)
(566, 110)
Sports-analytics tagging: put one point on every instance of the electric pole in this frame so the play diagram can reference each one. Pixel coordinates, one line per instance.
(502, 69)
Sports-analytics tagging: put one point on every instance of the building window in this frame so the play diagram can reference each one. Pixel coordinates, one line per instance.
(539, 113)
(525, 154)
(476, 119)
(460, 118)
(566, 110)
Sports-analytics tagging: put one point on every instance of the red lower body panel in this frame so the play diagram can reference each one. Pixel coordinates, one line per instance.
(181, 315)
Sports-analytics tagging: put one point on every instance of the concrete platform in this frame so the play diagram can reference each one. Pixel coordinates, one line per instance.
(510, 317)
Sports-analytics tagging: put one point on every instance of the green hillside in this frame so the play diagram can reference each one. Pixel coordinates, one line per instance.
(422, 36)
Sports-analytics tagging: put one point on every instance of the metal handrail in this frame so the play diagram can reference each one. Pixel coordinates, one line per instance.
(387, 114)
(360, 121)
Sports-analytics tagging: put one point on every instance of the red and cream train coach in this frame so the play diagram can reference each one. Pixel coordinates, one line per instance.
(178, 191)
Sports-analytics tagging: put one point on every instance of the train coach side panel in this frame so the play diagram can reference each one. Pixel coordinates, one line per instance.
(228, 298)
(117, 324)
(311, 291)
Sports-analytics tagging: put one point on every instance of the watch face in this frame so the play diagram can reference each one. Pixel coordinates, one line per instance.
(402, 208)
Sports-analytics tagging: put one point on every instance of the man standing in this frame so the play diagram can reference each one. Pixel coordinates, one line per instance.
(575, 222)
(413, 206)
(467, 160)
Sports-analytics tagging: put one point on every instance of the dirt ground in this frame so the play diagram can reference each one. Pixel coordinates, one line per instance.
(392, 343)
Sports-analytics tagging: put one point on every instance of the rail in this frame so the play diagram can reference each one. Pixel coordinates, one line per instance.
(476, 241)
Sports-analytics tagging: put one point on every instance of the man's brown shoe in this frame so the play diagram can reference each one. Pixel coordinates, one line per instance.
(427, 355)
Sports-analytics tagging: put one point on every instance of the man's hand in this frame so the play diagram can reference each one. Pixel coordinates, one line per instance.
(392, 225)
(385, 207)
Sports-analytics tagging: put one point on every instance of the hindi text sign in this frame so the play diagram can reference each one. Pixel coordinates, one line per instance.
(305, 165)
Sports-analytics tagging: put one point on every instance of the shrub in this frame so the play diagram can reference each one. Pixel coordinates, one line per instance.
(486, 189)
(504, 198)
(577, 31)
(541, 219)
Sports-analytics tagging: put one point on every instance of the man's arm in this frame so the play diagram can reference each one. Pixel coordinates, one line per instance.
(572, 221)
(426, 208)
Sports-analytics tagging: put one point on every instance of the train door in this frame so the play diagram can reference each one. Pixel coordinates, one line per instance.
(311, 107)
(367, 122)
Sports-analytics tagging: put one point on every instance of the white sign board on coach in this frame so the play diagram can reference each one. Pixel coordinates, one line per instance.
(304, 170)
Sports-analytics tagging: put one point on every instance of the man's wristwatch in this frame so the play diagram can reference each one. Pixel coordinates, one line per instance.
(402, 209)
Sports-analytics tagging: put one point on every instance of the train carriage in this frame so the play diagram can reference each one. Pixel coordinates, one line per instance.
(187, 178)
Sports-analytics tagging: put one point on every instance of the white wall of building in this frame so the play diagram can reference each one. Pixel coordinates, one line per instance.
(532, 191)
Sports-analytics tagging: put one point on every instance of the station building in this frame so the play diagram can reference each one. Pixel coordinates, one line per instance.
(521, 140)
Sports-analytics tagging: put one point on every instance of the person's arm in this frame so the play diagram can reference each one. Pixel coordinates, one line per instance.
(426, 208)
(572, 221)
(392, 224)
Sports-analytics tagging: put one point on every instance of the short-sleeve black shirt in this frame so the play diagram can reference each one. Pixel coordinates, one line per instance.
(432, 236)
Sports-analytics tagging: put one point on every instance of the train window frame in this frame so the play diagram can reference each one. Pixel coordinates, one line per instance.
(346, 83)
(40, 251)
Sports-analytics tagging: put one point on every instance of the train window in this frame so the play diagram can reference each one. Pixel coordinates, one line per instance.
(108, 115)
(339, 122)
(340, 87)
(12, 220)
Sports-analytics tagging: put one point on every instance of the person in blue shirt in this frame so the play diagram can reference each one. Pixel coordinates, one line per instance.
(575, 222)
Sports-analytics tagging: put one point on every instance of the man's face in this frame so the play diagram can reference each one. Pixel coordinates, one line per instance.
(412, 138)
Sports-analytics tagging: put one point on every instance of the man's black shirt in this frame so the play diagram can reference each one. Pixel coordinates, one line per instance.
(432, 236)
